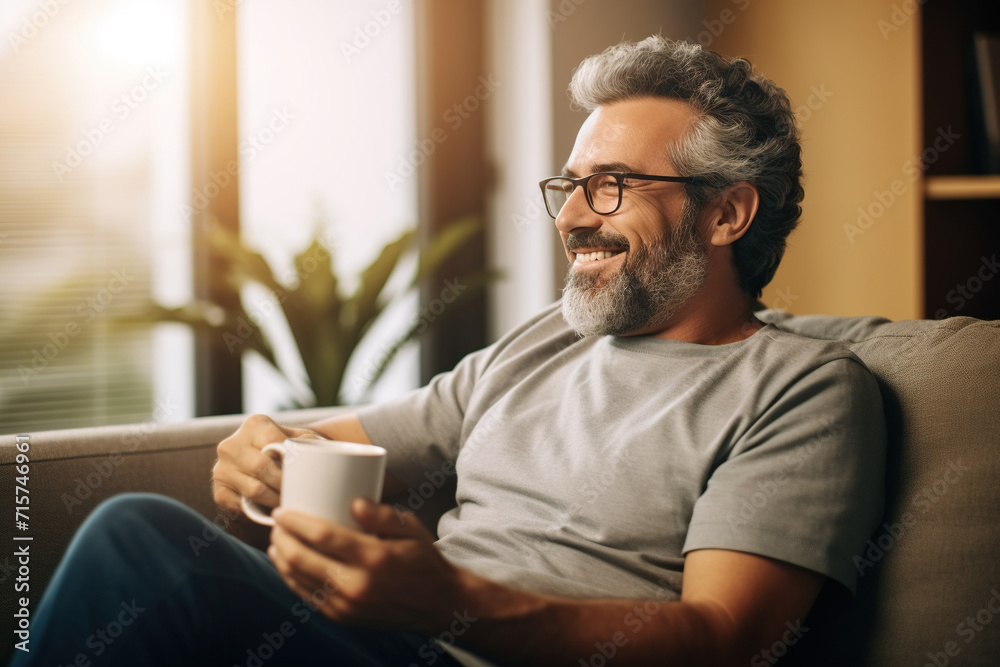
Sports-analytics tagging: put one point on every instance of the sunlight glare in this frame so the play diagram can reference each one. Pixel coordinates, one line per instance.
(139, 33)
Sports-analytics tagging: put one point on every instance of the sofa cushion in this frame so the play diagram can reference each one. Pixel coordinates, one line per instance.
(930, 577)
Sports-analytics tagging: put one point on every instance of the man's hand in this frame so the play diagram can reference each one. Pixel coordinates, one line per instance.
(392, 576)
(389, 576)
(243, 470)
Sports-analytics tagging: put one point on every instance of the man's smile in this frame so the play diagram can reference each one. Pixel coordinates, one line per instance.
(585, 257)
(595, 250)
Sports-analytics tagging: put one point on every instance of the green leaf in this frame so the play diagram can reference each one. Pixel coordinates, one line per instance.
(209, 317)
(312, 309)
(244, 264)
(475, 283)
(327, 327)
(365, 302)
(444, 244)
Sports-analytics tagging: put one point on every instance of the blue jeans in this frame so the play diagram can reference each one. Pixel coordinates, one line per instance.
(139, 586)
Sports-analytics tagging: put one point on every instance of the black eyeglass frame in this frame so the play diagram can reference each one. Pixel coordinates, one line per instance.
(620, 177)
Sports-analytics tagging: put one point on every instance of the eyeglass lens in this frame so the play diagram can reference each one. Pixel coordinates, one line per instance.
(603, 193)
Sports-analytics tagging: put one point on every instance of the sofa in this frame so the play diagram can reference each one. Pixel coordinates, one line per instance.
(929, 586)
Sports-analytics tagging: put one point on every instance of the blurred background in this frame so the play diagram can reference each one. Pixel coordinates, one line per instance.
(140, 138)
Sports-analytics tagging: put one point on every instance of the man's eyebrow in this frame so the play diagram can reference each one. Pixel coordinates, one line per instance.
(604, 166)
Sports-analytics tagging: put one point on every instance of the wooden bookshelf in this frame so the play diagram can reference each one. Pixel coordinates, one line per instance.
(961, 198)
(962, 187)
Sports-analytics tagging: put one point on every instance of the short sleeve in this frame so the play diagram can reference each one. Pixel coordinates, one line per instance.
(805, 483)
(421, 429)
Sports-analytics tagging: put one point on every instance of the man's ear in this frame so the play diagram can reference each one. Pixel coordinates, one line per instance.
(732, 213)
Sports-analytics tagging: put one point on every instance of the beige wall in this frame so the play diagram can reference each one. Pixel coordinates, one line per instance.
(856, 141)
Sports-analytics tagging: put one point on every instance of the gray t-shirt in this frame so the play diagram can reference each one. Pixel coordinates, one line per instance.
(588, 467)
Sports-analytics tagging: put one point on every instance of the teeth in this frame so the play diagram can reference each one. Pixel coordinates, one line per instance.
(594, 256)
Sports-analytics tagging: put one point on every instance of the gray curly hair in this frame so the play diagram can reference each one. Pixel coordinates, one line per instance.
(745, 131)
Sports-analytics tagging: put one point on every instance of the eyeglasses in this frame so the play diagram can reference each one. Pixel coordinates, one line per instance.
(603, 190)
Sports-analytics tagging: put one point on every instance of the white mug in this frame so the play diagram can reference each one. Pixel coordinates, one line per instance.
(323, 477)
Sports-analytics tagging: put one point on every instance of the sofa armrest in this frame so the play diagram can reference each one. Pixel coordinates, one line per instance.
(72, 471)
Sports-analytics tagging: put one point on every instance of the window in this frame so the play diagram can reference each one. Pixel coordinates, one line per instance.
(95, 155)
(323, 116)
(92, 152)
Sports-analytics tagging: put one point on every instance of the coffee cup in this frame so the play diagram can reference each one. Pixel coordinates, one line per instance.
(323, 477)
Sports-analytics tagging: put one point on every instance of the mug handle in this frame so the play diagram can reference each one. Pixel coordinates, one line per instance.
(253, 510)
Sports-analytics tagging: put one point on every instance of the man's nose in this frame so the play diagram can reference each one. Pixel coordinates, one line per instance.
(577, 214)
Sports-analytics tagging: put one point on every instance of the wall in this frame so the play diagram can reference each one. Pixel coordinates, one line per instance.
(854, 81)
(852, 69)
(520, 153)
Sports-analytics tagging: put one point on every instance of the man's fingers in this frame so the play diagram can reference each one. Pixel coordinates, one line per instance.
(320, 595)
(343, 544)
(309, 584)
(248, 459)
(244, 485)
(261, 431)
(310, 567)
(264, 467)
(385, 521)
(225, 497)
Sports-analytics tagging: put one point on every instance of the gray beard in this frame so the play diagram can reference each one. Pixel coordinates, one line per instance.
(645, 293)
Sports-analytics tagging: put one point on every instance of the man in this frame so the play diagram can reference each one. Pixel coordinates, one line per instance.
(648, 426)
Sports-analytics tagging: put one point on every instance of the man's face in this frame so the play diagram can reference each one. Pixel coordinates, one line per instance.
(633, 269)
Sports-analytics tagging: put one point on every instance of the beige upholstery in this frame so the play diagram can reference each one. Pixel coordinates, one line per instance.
(72, 471)
(940, 383)
(941, 388)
